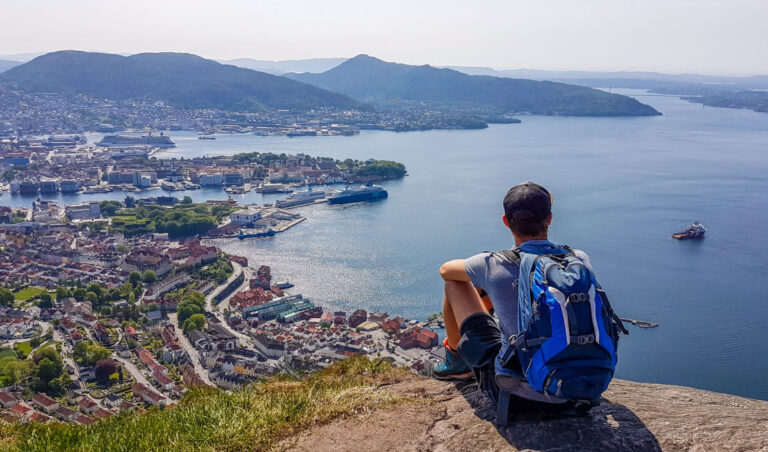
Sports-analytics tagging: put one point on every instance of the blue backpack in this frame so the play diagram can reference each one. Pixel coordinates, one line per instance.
(568, 331)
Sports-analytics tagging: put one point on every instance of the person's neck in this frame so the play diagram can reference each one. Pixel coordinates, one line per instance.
(520, 240)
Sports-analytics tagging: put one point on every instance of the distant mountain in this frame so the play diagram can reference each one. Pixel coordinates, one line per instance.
(182, 80)
(286, 66)
(625, 79)
(372, 80)
(5, 64)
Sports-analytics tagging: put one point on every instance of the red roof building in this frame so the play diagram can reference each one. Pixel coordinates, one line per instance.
(45, 402)
(7, 400)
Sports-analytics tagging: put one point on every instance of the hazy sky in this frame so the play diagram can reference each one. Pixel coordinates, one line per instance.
(705, 36)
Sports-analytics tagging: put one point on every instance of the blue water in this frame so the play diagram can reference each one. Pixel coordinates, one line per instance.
(621, 186)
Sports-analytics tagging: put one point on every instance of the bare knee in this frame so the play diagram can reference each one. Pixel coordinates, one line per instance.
(463, 299)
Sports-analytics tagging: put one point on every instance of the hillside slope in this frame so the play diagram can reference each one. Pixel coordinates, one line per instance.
(367, 404)
(370, 79)
(183, 80)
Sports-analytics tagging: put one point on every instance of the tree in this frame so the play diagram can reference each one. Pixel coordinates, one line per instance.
(47, 370)
(49, 353)
(62, 293)
(186, 200)
(186, 311)
(45, 302)
(16, 370)
(149, 277)
(134, 277)
(94, 287)
(92, 297)
(79, 294)
(6, 297)
(122, 249)
(56, 387)
(195, 322)
(88, 353)
(103, 369)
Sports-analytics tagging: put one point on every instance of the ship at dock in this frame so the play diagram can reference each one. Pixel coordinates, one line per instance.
(126, 141)
(300, 198)
(363, 193)
(694, 231)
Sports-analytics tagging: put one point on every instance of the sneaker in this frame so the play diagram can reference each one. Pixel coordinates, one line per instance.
(452, 367)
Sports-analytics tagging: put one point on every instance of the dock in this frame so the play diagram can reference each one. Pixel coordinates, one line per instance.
(284, 227)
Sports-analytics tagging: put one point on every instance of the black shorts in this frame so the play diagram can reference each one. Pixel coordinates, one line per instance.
(479, 344)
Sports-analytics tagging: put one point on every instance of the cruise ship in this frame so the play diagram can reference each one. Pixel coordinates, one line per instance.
(123, 141)
(363, 193)
(301, 198)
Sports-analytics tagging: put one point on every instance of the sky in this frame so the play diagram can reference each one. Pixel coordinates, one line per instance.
(726, 37)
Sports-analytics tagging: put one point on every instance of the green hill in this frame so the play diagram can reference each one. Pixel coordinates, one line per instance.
(254, 418)
(183, 80)
(372, 80)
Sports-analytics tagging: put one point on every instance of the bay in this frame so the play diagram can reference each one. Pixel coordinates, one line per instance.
(621, 187)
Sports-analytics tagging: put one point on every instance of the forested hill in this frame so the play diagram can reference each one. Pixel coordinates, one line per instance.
(372, 80)
(183, 80)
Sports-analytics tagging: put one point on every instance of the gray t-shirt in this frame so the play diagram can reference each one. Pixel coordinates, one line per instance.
(498, 276)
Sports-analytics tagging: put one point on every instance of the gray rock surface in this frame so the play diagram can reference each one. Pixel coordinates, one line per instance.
(440, 416)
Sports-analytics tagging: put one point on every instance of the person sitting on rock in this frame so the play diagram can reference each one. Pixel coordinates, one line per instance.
(474, 338)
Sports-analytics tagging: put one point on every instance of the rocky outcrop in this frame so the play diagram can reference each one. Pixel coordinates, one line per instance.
(440, 416)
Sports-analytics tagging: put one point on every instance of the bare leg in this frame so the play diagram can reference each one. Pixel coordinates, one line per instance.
(460, 301)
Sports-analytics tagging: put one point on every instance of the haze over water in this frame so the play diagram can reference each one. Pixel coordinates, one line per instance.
(621, 187)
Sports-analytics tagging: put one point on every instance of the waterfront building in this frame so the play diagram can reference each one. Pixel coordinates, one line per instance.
(247, 216)
(211, 179)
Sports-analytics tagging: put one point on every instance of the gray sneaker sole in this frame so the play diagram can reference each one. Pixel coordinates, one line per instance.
(460, 377)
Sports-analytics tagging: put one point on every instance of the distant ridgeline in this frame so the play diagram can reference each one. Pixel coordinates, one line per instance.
(190, 82)
(372, 80)
(182, 80)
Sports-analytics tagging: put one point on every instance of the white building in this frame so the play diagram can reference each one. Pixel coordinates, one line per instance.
(83, 211)
(246, 216)
(211, 179)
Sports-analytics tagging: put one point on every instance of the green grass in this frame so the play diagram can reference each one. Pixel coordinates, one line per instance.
(25, 347)
(6, 356)
(255, 418)
(27, 293)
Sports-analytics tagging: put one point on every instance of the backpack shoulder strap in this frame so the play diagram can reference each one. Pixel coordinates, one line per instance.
(513, 255)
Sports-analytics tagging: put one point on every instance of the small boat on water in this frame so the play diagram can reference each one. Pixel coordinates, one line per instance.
(284, 285)
(247, 235)
(694, 231)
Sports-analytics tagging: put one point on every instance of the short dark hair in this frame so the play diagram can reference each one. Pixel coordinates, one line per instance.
(527, 207)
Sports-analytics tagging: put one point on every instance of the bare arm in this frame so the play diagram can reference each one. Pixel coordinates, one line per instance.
(454, 271)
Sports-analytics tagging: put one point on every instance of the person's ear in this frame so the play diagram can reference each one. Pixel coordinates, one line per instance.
(506, 222)
(549, 220)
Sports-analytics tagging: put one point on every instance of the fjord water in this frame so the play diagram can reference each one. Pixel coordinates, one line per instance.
(621, 187)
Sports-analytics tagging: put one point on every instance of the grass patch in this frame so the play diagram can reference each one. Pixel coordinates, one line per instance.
(25, 347)
(6, 356)
(27, 293)
(255, 418)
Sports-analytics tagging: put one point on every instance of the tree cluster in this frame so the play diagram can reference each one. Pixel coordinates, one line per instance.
(88, 353)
